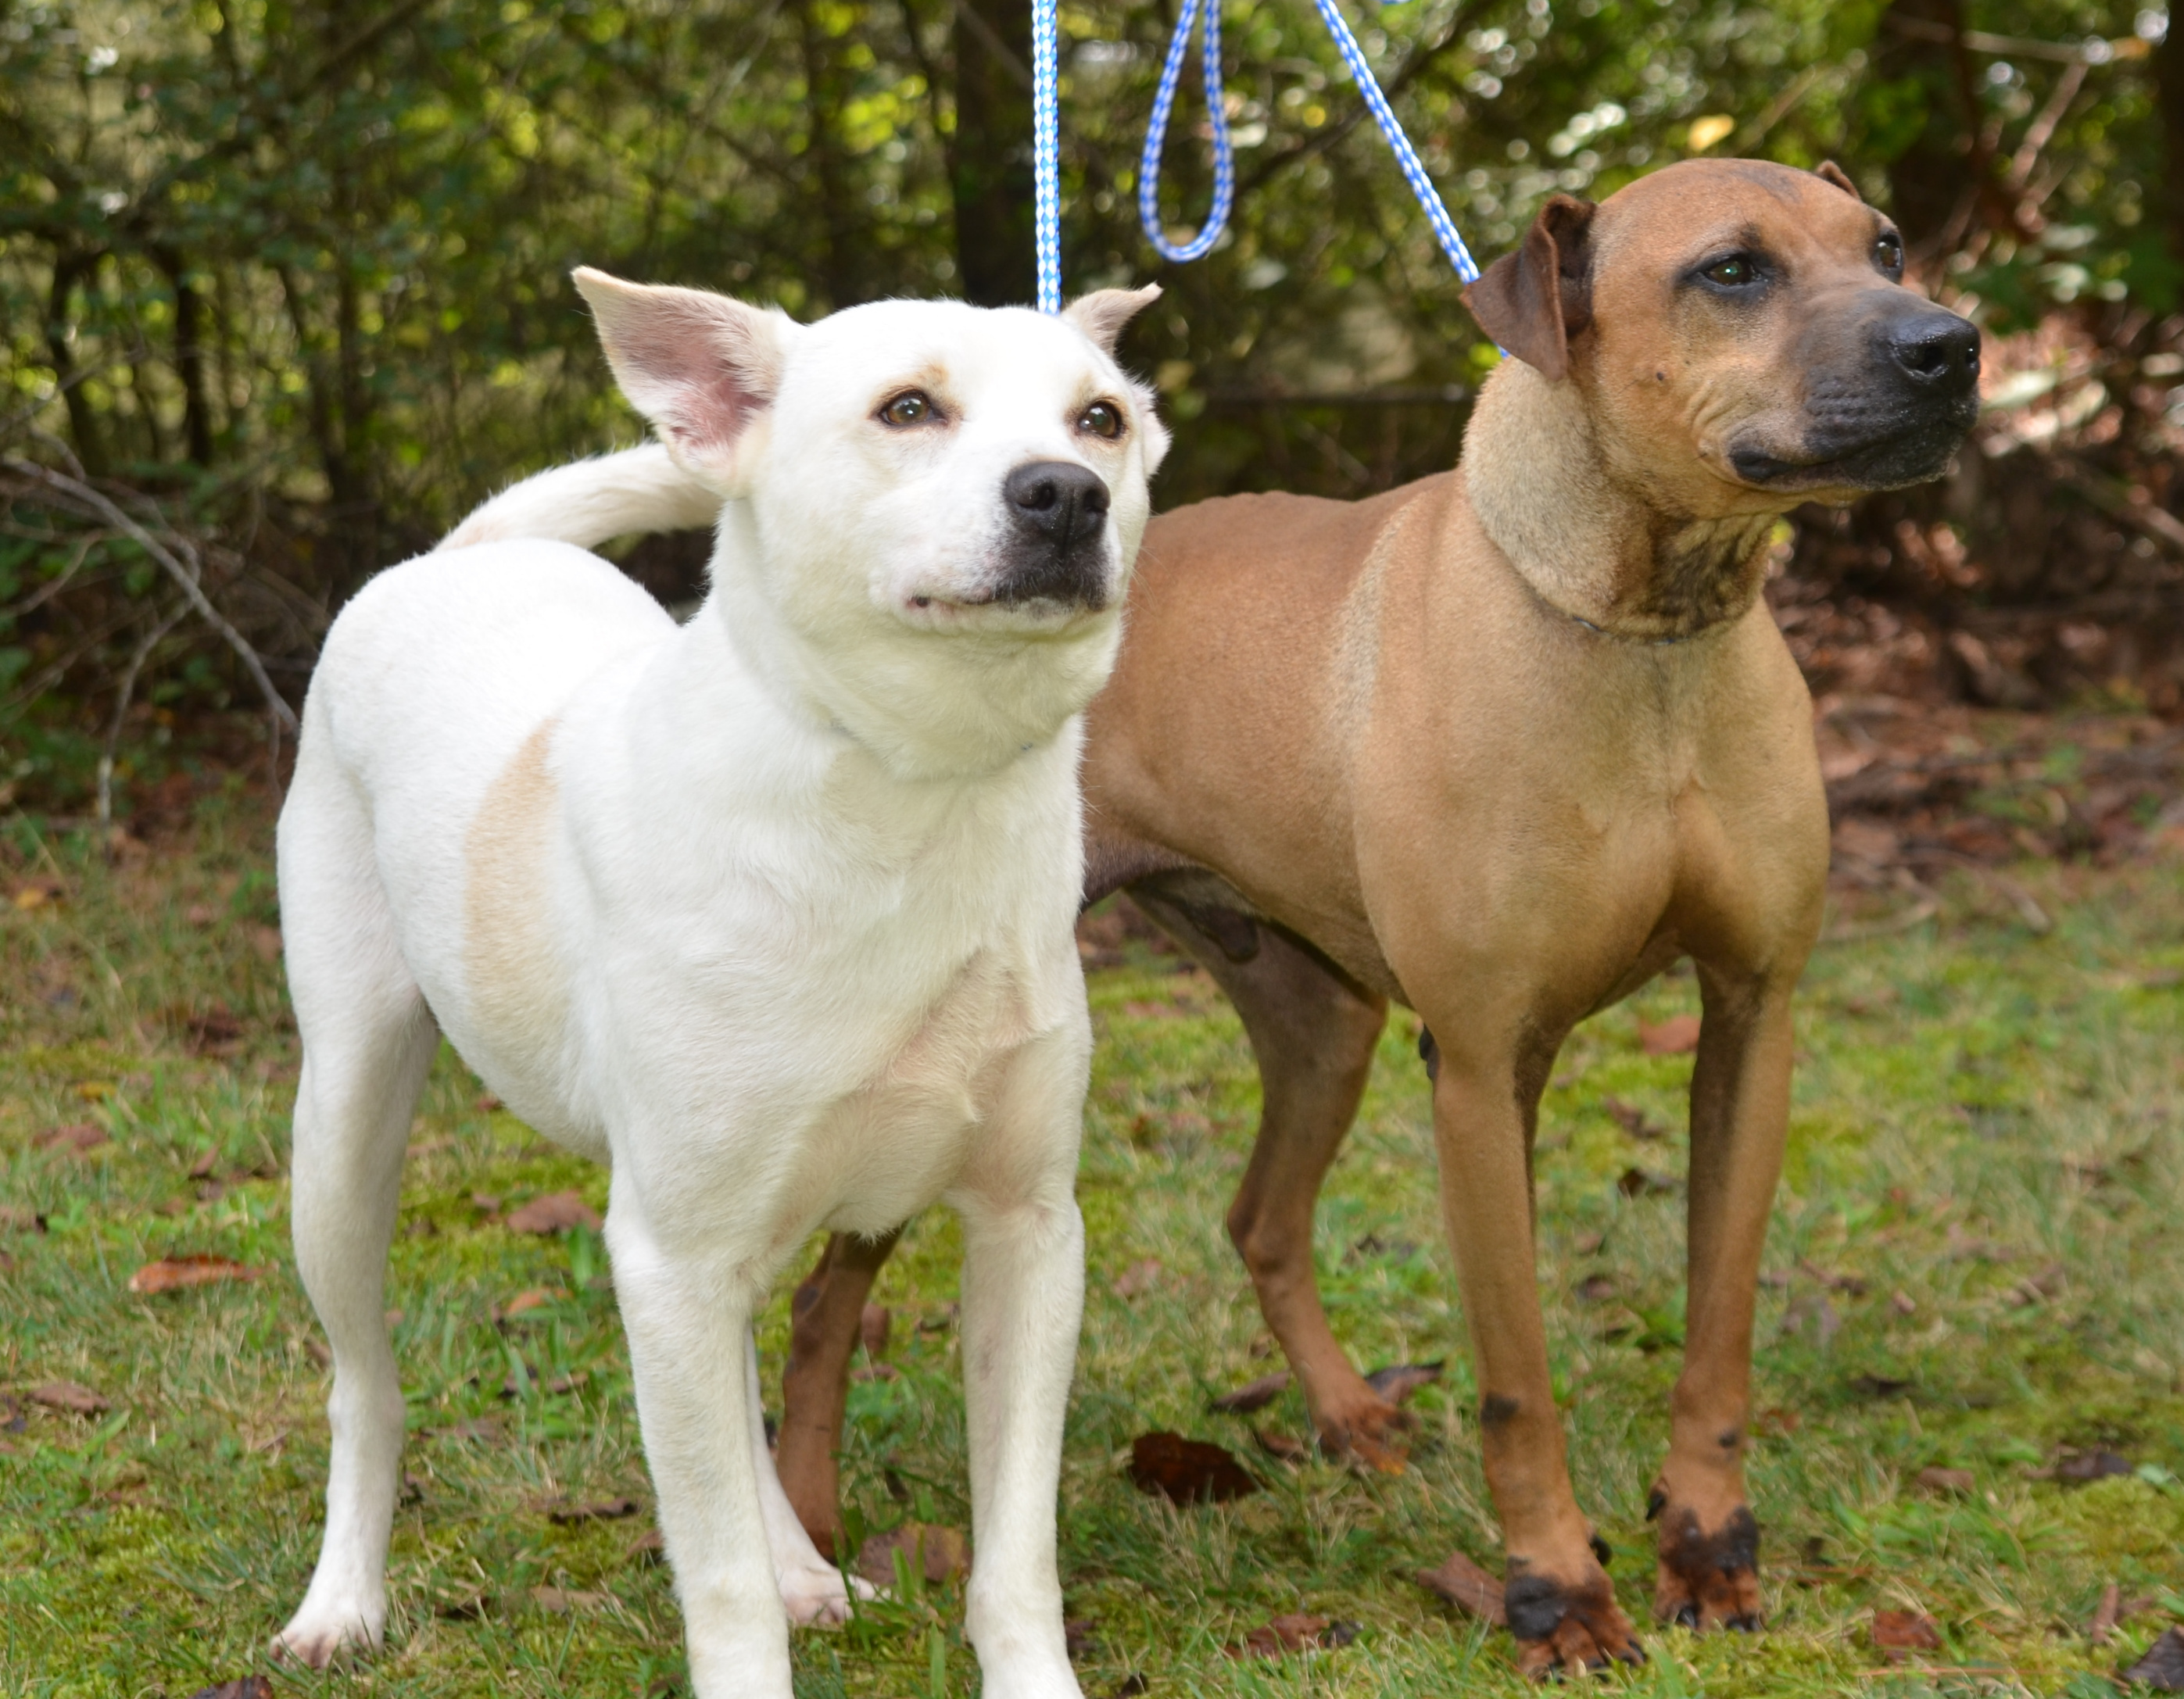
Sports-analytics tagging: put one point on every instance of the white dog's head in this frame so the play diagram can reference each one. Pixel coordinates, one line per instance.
(912, 474)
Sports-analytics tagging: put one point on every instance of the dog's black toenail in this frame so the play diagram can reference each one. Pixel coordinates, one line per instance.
(1602, 1552)
(1687, 1616)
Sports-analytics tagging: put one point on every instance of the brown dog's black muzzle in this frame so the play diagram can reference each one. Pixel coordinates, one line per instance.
(1892, 390)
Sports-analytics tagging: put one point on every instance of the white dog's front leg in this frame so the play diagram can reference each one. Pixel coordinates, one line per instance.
(689, 1322)
(1024, 1296)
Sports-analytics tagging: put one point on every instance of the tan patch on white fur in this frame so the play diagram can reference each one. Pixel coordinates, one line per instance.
(517, 987)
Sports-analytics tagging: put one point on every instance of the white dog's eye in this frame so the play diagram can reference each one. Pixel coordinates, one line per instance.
(912, 407)
(1102, 419)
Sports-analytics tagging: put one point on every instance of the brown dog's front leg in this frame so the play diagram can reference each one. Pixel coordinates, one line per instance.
(1561, 1608)
(827, 1311)
(1709, 1542)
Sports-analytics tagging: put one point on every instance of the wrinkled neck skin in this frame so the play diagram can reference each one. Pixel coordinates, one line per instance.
(927, 706)
(1588, 531)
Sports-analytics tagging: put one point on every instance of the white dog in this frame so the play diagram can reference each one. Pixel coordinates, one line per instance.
(771, 912)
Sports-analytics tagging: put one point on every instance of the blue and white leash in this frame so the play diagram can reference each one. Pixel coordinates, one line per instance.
(1047, 214)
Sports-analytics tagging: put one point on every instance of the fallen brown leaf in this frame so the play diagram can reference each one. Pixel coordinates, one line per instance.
(1936, 1478)
(477, 1428)
(1255, 1395)
(1644, 1182)
(647, 1547)
(875, 1371)
(1677, 1036)
(2093, 1466)
(2106, 1615)
(265, 943)
(207, 1159)
(2162, 1667)
(1814, 1313)
(1632, 1119)
(1077, 1637)
(563, 1599)
(487, 1103)
(1295, 1633)
(17, 1219)
(939, 1554)
(1902, 1303)
(1398, 1381)
(244, 1687)
(2036, 1287)
(1879, 1385)
(1187, 1471)
(1851, 1285)
(1282, 1446)
(605, 1510)
(1596, 1289)
(66, 1395)
(556, 1212)
(872, 1329)
(1776, 1423)
(1466, 1586)
(1901, 1633)
(173, 1273)
(523, 1302)
(1139, 1277)
(75, 1138)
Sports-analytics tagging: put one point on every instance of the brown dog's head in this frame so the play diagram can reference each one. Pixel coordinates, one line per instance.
(1744, 329)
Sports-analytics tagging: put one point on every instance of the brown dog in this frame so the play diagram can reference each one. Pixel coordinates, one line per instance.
(1501, 745)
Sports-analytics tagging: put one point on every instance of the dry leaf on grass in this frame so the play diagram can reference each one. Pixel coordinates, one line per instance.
(1282, 1446)
(66, 1395)
(939, 1554)
(1677, 1036)
(1645, 1183)
(2106, 1615)
(873, 1326)
(1139, 1277)
(1898, 1634)
(1936, 1478)
(1879, 1385)
(556, 1212)
(605, 1510)
(523, 1302)
(17, 1219)
(2092, 1465)
(648, 1547)
(1295, 1633)
(1596, 1289)
(563, 1599)
(1256, 1395)
(173, 1273)
(244, 1687)
(1187, 1471)
(1398, 1381)
(1466, 1586)
(73, 1140)
(2162, 1667)
(1632, 1119)
(1814, 1314)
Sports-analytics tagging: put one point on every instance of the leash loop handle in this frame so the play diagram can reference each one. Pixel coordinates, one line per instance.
(1224, 157)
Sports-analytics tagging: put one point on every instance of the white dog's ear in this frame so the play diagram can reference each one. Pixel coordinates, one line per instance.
(1102, 314)
(700, 366)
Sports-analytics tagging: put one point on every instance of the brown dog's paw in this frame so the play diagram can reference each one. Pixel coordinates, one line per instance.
(1368, 1431)
(1566, 1626)
(1707, 1580)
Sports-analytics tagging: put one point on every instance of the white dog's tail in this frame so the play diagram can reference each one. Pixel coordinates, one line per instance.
(616, 495)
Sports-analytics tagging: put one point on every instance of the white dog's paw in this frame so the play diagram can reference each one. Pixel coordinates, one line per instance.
(816, 1595)
(316, 1637)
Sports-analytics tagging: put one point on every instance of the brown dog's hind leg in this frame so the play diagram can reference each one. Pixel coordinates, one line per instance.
(1313, 1033)
(827, 1311)
(1709, 1541)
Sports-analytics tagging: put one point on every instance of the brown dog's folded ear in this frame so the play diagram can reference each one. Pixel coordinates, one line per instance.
(1532, 302)
(1829, 172)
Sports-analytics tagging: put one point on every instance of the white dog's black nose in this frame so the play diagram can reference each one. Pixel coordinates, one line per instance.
(1062, 502)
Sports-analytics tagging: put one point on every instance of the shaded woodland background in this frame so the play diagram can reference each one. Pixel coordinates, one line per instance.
(283, 289)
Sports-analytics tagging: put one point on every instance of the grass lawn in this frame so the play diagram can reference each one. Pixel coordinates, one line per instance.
(1976, 1263)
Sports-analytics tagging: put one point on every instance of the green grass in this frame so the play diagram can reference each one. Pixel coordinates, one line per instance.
(1976, 1104)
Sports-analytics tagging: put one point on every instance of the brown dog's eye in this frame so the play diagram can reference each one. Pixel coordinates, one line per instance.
(1888, 252)
(1732, 273)
(912, 407)
(1102, 419)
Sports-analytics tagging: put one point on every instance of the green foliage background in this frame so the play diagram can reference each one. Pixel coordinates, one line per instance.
(297, 270)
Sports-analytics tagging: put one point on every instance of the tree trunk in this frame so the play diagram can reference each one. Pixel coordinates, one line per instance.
(990, 164)
(69, 270)
(2168, 102)
(189, 355)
